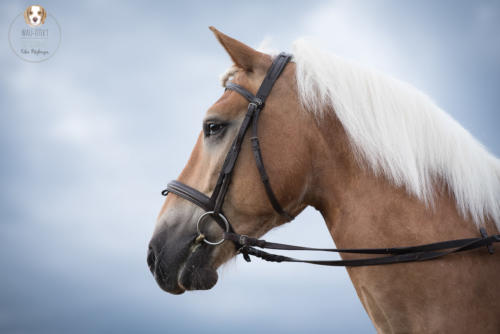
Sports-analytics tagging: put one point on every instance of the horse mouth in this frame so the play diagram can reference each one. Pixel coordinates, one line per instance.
(194, 273)
(193, 277)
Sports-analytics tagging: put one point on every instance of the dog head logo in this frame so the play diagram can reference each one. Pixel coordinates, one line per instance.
(35, 15)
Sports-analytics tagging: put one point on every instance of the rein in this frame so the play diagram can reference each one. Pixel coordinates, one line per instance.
(395, 255)
(247, 245)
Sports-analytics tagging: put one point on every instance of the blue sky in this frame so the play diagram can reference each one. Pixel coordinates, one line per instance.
(89, 138)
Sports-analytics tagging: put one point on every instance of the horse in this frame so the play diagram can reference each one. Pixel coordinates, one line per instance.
(376, 157)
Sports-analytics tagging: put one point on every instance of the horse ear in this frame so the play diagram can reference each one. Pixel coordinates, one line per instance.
(242, 55)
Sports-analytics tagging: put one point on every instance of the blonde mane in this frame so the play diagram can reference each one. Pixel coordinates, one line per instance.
(400, 133)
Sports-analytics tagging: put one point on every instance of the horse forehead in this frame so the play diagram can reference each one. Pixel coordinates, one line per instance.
(230, 105)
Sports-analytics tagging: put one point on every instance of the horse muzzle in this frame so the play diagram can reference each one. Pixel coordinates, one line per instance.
(179, 263)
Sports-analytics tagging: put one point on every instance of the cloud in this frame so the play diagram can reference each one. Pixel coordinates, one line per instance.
(352, 29)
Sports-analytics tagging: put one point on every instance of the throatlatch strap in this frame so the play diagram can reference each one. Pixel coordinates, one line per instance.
(264, 90)
(262, 170)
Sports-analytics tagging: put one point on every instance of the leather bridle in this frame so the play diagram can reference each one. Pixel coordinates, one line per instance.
(246, 245)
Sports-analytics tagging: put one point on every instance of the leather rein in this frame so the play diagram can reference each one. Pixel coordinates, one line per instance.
(247, 245)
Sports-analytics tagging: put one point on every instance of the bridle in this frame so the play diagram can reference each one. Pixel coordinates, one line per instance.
(246, 245)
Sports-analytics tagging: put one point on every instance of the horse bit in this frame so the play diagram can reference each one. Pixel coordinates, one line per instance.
(246, 245)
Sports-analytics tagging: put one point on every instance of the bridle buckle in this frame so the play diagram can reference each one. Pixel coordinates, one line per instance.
(256, 102)
(243, 240)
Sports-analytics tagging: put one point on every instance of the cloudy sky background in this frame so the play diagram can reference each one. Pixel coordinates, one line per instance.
(89, 138)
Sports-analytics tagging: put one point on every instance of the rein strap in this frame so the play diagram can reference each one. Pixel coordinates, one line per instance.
(395, 255)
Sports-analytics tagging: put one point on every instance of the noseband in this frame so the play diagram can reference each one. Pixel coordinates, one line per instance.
(246, 245)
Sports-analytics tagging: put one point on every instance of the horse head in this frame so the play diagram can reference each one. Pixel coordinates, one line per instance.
(286, 136)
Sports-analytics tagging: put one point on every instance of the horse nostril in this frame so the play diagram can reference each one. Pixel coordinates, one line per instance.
(151, 260)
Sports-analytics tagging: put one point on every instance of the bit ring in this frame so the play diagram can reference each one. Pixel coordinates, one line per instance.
(202, 218)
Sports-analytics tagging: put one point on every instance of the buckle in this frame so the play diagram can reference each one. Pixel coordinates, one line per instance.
(243, 240)
(484, 234)
(256, 102)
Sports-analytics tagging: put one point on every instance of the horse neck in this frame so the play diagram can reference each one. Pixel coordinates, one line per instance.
(362, 209)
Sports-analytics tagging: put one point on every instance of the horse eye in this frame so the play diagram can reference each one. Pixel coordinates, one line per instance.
(212, 129)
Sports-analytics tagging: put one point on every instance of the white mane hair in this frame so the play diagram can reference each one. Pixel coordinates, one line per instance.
(399, 132)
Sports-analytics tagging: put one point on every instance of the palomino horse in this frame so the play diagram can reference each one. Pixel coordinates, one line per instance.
(383, 165)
